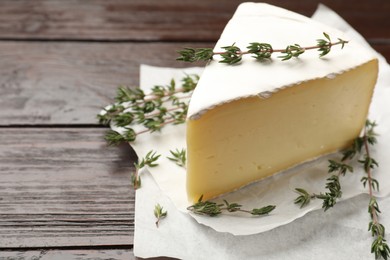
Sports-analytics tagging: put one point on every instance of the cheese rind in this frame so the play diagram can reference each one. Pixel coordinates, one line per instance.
(248, 139)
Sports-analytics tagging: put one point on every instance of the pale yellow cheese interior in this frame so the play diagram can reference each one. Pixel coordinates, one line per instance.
(246, 140)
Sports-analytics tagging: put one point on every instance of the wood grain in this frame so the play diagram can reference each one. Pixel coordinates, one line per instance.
(155, 20)
(68, 83)
(72, 254)
(64, 187)
(102, 254)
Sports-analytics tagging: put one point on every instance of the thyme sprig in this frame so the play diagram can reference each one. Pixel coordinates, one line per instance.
(159, 213)
(341, 168)
(329, 198)
(332, 185)
(361, 146)
(148, 112)
(213, 209)
(179, 157)
(150, 160)
(114, 138)
(379, 246)
(260, 51)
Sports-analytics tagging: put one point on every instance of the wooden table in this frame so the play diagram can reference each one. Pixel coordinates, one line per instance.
(63, 192)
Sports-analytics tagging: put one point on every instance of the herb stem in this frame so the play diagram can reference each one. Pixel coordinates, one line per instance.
(136, 182)
(152, 97)
(369, 179)
(162, 124)
(246, 211)
(151, 115)
(149, 160)
(235, 210)
(281, 50)
(260, 51)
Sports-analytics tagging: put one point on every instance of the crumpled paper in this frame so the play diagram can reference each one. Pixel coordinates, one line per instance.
(181, 236)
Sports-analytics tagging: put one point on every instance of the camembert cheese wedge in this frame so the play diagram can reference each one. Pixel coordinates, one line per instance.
(254, 119)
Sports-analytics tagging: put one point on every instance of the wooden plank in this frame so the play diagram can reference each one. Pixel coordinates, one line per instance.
(97, 254)
(383, 49)
(73, 254)
(64, 187)
(200, 20)
(68, 83)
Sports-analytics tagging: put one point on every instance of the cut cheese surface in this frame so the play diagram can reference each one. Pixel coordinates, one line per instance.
(248, 139)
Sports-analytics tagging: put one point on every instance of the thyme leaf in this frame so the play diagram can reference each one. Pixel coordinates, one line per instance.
(213, 209)
(159, 213)
(179, 157)
(231, 55)
(149, 160)
(304, 197)
(292, 51)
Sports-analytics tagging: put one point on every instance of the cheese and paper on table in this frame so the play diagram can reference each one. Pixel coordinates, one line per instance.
(288, 116)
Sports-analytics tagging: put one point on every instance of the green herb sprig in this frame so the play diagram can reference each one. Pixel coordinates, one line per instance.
(159, 213)
(260, 51)
(341, 168)
(360, 147)
(151, 111)
(329, 198)
(149, 160)
(213, 209)
(179, 157)
(379, 246)
(333, 186)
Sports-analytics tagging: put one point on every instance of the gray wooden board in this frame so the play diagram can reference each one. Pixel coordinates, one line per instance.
(64, 254)
(72, 254)
(68, 83)
(64, 187)
(152, 20)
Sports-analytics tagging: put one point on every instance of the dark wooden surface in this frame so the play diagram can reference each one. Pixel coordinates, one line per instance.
(63, 193)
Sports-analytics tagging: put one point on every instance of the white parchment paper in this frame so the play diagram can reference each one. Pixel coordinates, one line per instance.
(181, 236)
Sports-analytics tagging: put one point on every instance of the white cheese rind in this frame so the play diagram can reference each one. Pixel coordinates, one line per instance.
(259, 22)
